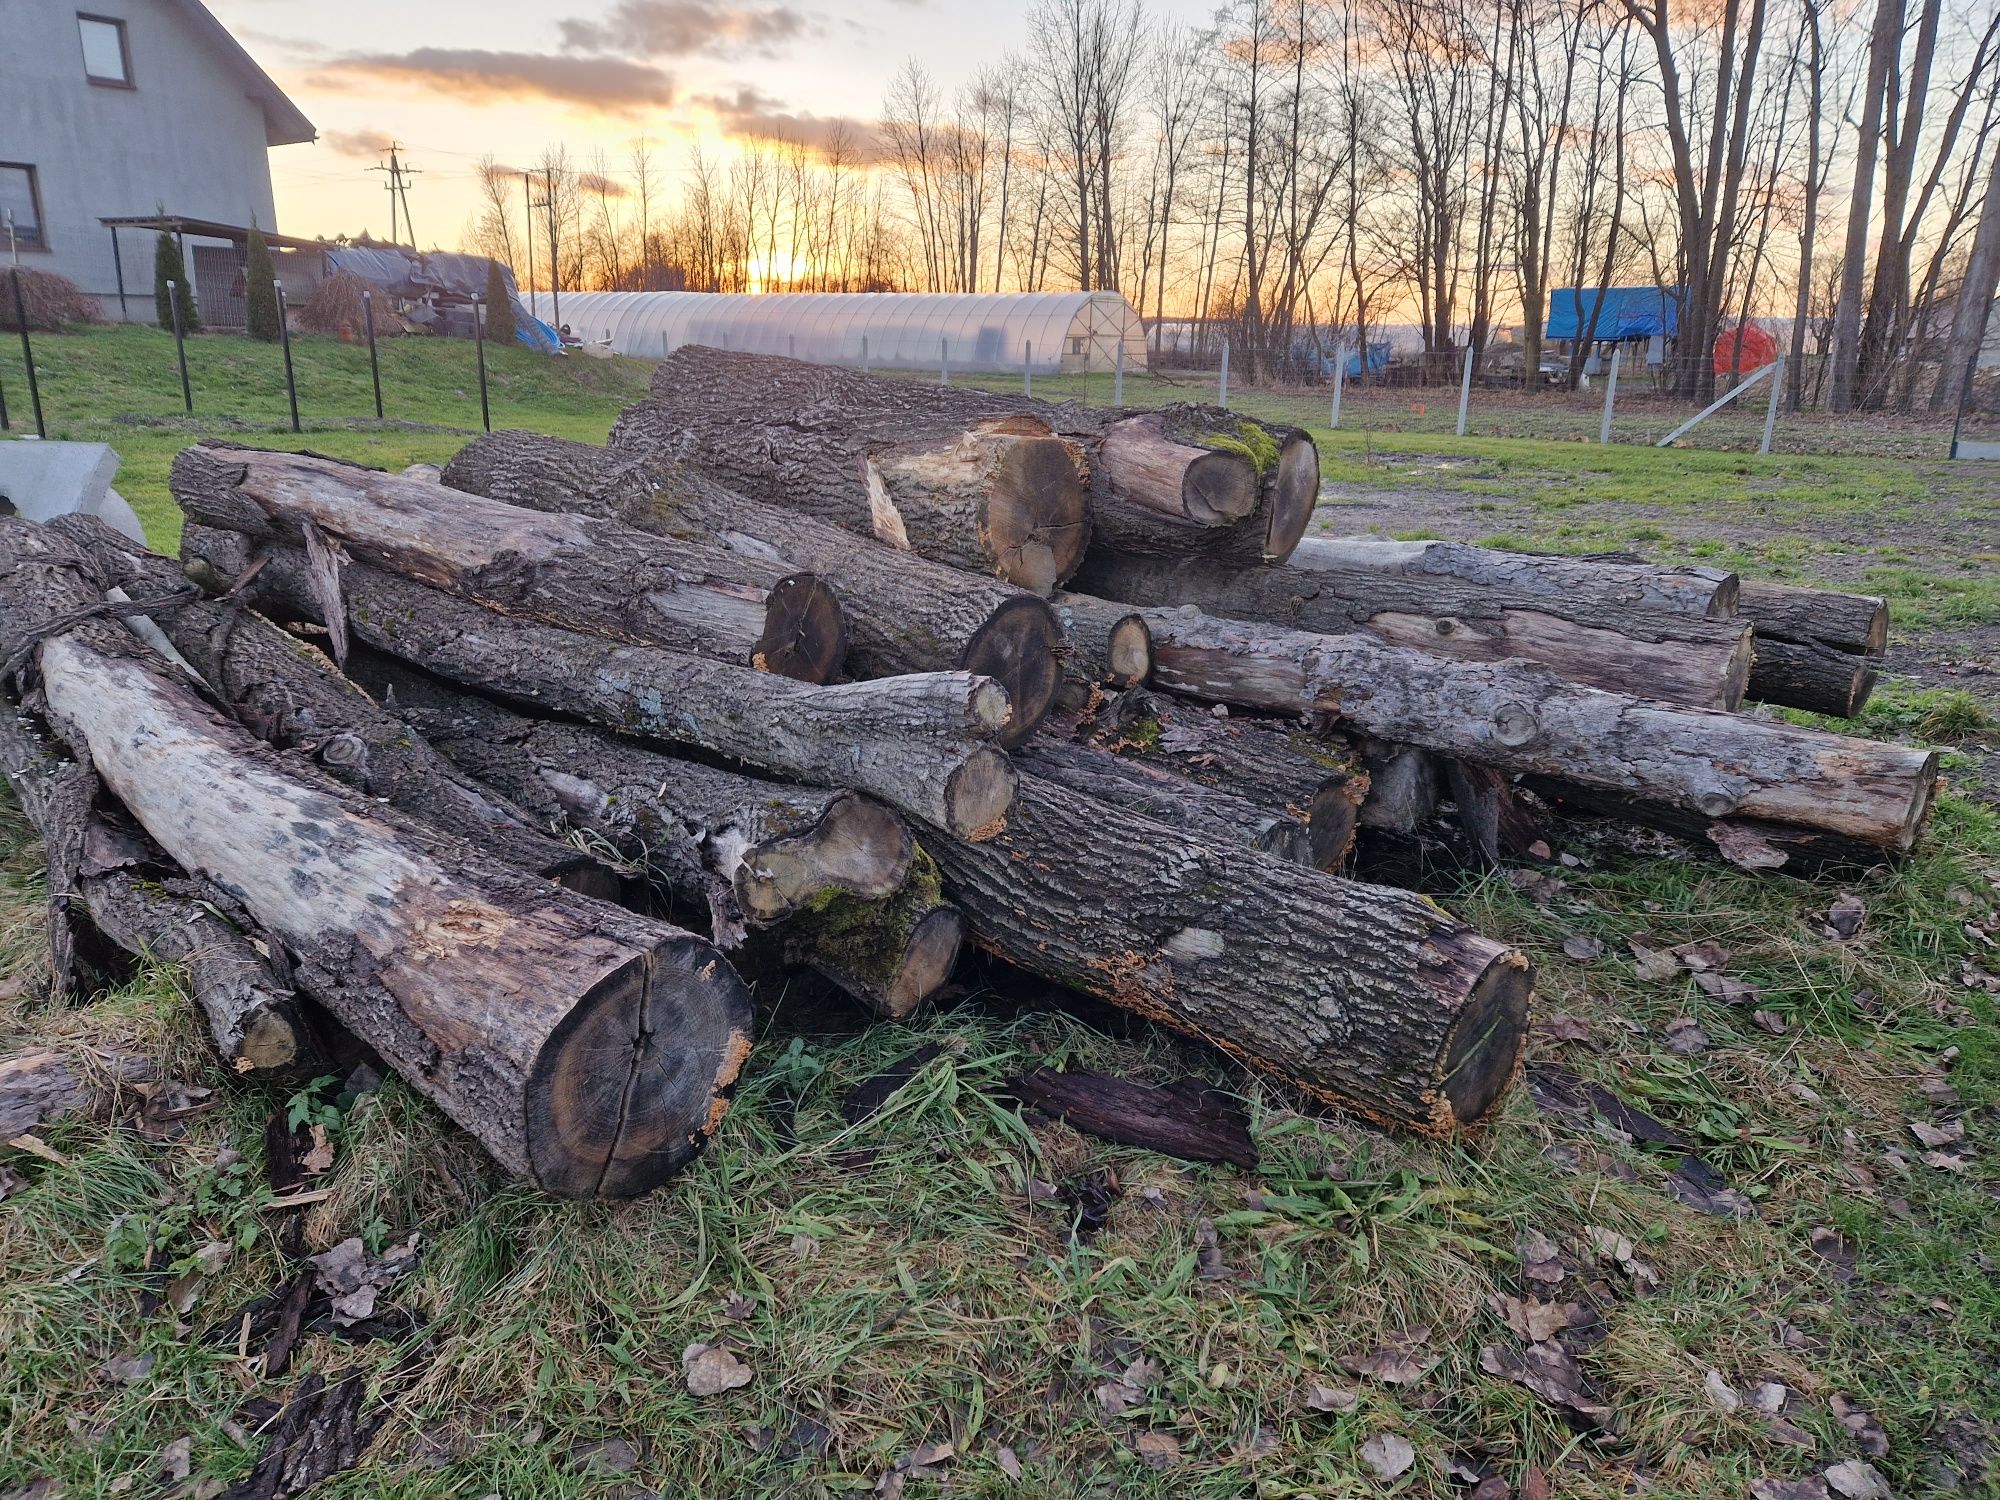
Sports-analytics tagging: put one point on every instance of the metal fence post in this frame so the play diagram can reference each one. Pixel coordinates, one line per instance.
(944, 361)
(1339, 382)
(285, 338)
(1028, 369)
(1118, 375)
(1771, 406)
(28, 355)
(374, 364)
(180, 346)
(1958, 417)
(1610, 395)
(1465, 390)
(479, 343)
(1222, 388)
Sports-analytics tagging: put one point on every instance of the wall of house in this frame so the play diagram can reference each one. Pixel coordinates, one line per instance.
(185, 137)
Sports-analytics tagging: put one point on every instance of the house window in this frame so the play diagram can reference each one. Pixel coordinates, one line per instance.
(107, 59)
(21, 201)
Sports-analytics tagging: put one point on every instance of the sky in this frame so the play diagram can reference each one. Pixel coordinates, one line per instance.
(454, 80)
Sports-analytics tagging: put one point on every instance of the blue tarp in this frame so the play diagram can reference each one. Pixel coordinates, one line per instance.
(532, 331)
(1630, 312)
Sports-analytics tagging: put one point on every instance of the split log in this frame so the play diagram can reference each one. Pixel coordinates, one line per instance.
(1812, 676)
(150, 912)
(40, 1086)
(1523, 718)
(984, 490)
(581, 1044)
(1670, 658)
(565, 570)
(1275, 766)
(904, 613)
(1207, 812)
(1856, 623)
(1403, 783)
(1105, 645)
(921, 743)
(1370, 998)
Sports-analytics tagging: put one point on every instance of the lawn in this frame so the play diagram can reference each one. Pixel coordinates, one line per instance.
(947, 1297)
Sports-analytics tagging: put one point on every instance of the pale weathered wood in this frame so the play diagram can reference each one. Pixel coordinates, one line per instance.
(568, 570)
(922, 743)
(904, 613)
(579, 1043)
(1370, 998)
(1693, 590)
(1524, 718)
(40, 1086)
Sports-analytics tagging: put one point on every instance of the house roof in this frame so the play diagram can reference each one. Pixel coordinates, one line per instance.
(284, 123)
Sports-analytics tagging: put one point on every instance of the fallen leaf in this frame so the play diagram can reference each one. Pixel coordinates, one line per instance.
(320, 1156)
(1261, 1442)
(1009, 1464)
(1331, 1398)
(1809, 1488)
(1582, 948)
(740, 1307)
(611, 1455)
(1950, 1133)
(351, 1279)
(1652, 963)
(1551, 1372)
(1532, 1321)
(1609, 1243)
(1721, 1392)
(1705, 956)
(1745, 846)
(1117, 1398)
(711, 1369)
(1771, 1021)
(173, 1462)
(1396, 1362)
(1388, 1455)
(1857, 1480)
(1698, 1185)
(1844, 917)
(1729, 991)
(1563, 1028)
(1208, 1252)
(1944, 1161)
(1787, 1431)
(1160, 1450)
(1862, 1427)
(1540, 1259)
(1685, 1036)
(1769, 1397)
(130, 1370)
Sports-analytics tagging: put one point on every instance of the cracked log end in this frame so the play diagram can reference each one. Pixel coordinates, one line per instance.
(805, 632)
(1294, 493)
(927, 963)
(1483, 1051)
(857, 846)
(979, 793)
(1038, 513)
(630, 1085)
(1016, 647)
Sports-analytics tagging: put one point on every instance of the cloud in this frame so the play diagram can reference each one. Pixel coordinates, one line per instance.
(687, 28)
(749, 114)
(610, 85)
(366, 142)
(597, 184)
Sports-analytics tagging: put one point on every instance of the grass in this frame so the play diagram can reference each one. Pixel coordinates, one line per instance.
(913, 1279)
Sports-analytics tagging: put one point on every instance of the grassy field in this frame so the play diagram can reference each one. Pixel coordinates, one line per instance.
(930, 1276)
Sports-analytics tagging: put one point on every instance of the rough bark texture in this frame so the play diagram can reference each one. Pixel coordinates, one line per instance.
(1811, 676)
(1274, 766)
(921, 743)
(1207, 812)
(1491, 817)
(1523, 718)
(1672, 658)
(139, 902)
(1105, 646)
(579, 1043)
(1785, 612)
(1371, 998)
(569, 570)
(41, 1085)
(988, 490)
(904, 613)
(1403, 784)
(1709, 592)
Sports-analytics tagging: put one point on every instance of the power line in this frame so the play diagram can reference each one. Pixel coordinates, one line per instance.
(398, 186)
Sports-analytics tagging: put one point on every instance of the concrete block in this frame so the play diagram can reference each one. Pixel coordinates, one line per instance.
(44, 480)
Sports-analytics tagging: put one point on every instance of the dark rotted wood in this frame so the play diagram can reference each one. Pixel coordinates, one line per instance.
(574, 571)
(904, 613)
(922, 743)
(1523, 718)
(1184, 1120)
(584, 1045)
(1370, 998)
(1627, 583)
(320, 1433)
(1812, 676)
(1490, 815)
(289, 695)
(1749, 843)
(1671, 658)
(1206, 811)
(1855, 623)
(42, 1085)
(985, 490)
(1105, 646)
(865, 1100)
(1271, 764)
(1404, 783)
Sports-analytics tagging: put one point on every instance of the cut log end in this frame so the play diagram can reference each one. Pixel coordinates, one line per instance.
(1218, 488)
(637, 1077)
(928, 961)
(1038, 514)
(805, 632)
(1484, 1048)
(1130, 652)
(272, 1042)
(1294, 494)
(1336, 814)
(858, 846)
(1017, 647)
(979, 793)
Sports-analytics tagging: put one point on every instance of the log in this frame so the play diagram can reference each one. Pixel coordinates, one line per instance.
(1370, 998)
(1523, 718)
(1275, 766)
(986, 490)
(585, 1046)
(1812, 676)
(1492, 819)
(922, 743)
(1748, 843)
(566, 570)
(1857, 623)
(1184, 1119)
(903, 613)
(40, 1086)
(1671, 658)
(138, 902)
(893, 954)
(1105, 645)
(1209, 812)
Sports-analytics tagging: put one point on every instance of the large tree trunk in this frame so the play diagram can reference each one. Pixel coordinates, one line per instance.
(1628, 585)
(921, 743)
(904, 613)
(1672, 658)
(995, 493)
(1371, 998)
(579, 1043)
(1525, 719)
(561, 569)
(152, 912)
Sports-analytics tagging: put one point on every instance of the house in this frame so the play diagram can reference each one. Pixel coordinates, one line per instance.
(121, 110)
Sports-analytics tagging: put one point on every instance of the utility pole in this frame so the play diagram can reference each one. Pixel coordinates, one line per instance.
(398, 187)
(528, 199)
(555, 255)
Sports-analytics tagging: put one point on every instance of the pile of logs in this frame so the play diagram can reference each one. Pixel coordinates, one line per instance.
(525, 777)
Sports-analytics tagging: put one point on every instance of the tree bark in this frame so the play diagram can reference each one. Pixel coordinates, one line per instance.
(994, 493)
(41, 1085)
(1370, 998)
(1673, 658)
(904, 613)
(1522, 718)
(1974, 302)
(921, 743)
(566, 570)
(1845, 622)
(581, 1044)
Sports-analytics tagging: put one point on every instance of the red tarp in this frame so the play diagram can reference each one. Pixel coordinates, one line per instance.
(1759, 349)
